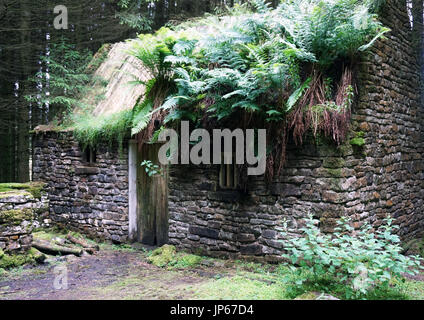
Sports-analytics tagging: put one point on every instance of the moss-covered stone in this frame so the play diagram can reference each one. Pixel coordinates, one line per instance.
(17, 216)
(35, 188)
(334, 162)
(8, 261)
(15, 260)
(167, 256)
(335, 173)
(160, 257)
(37, 255)
(14, 193)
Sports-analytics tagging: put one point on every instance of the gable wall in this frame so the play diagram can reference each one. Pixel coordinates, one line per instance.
(91, 200)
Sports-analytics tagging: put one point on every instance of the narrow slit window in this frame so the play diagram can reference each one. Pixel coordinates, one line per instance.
(228, 174)
(90, 155)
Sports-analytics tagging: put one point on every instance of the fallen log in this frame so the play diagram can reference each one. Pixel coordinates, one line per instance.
(87, 247)
(49, 248)
(37, 255)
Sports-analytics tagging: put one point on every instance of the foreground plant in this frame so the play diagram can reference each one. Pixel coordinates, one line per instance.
(361, 261)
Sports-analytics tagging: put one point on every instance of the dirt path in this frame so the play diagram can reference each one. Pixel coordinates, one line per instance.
(107, 275)
(120, 274)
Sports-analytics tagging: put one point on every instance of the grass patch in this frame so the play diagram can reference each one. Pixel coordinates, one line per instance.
(90, 130)
(47, 234)
(414, 289)
(240, 287)
(116, 247)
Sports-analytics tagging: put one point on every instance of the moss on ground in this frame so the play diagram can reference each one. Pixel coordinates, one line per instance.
(186, 261)
(8, 261)
(167, 256)
(241, 287)
(133, 278)
(160, 257)
(35, 188)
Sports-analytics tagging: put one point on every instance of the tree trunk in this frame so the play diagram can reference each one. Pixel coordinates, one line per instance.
(82, 243)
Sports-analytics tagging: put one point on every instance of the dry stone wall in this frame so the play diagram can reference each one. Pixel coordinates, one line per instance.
(89, 197)
(383, 176)
(19, 213)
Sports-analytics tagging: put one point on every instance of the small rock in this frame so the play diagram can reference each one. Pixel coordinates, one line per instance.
(71, 258)
(316, 296)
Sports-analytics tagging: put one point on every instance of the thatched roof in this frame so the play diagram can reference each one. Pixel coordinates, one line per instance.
(119, 69)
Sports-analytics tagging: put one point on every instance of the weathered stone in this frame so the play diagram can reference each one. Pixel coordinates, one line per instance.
(252, 249)
(204, 232)
(245, 237)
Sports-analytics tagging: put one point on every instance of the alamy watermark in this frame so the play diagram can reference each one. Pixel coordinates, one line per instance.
(249, 148)
(60, 281)
(61, 20)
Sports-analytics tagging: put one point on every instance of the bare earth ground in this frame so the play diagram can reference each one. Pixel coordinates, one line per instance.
(110, 274)
(120, 274)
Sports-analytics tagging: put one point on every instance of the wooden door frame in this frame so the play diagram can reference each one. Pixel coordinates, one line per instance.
(148, 212)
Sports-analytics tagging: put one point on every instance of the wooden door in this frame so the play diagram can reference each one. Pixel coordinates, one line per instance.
(152, 199)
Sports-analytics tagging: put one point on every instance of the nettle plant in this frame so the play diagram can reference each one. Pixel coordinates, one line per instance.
(151, 168)
(361, 260)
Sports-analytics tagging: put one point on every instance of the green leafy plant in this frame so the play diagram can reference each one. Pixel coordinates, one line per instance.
(358, 140)
(361, 262)
(272, 68)
(288, 70)
(89, 129)
(151, 168)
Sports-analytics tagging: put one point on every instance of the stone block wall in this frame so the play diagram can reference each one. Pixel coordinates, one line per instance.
(390, 114)
(91, 198)
(19, 211)
(367, 183)
(383, 177)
